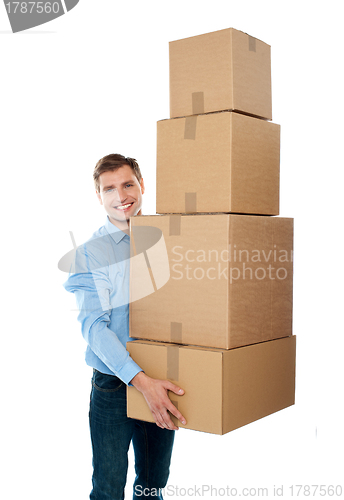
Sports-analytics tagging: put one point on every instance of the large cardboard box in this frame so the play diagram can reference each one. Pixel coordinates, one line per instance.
(226, 69)
(217, 280)
(224, 390)
(220, 162)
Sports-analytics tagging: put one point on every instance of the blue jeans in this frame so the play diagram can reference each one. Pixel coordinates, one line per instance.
(111, 434)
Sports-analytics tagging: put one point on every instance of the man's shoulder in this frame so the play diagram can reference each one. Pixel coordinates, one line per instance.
(99, 233)
(97, 243)
(103, 248)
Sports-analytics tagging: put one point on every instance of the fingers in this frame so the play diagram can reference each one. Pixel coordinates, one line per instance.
(163, 420)
(172, 409)
(155, 392)
(179, 391)
(163, 417)
(174, 388)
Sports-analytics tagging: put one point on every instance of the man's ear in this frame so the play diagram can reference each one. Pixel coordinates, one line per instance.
(99, 197)
(142, 184)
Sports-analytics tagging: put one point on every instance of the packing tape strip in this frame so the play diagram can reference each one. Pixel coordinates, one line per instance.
(251, 43)
(197, 103)
(191, 121)
(175, 403)
(132, 245)
(133, 253)
(173, 362)
(174, 225)
(176, 332)
(190, 202)
(190, 127)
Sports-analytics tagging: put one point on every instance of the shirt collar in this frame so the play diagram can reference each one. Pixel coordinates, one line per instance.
(114, 231)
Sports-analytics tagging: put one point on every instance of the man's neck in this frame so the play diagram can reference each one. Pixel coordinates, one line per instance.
(122, 225)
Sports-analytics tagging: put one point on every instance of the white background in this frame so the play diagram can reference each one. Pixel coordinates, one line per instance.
(94, 82)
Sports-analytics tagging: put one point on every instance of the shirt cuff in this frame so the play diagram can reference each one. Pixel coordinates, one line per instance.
(128, 371)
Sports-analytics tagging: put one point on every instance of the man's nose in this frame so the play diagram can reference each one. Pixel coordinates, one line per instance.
(121, 194)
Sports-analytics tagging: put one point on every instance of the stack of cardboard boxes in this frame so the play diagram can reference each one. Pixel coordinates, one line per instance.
(211, 278)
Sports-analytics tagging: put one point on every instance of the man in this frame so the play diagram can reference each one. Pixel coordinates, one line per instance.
(100, 282)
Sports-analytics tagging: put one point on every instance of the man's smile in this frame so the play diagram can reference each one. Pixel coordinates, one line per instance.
(124, 207)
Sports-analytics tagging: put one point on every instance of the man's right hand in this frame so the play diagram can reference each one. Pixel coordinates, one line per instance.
(156, 396)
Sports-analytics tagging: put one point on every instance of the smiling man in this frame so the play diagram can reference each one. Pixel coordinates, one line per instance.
(120, 191)
(100, 282)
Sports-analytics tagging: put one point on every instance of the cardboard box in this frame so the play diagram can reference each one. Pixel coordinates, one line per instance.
(224, 390)
(220, 162)
(215, 280)
(226, 69)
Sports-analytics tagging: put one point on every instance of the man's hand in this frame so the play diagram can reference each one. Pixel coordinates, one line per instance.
(155, 393)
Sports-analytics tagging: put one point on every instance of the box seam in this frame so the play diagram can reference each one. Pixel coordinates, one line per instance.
(232, 68)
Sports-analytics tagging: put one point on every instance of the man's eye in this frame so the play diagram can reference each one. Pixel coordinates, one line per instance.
(128, 185)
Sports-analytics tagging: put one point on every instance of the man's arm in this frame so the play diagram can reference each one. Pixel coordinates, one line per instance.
(91, 285)
(156, 396)
(92, 291)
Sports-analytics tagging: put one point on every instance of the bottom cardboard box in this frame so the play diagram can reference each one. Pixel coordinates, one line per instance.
(224, 389)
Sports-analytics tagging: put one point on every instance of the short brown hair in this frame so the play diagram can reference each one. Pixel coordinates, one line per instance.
(111, 163)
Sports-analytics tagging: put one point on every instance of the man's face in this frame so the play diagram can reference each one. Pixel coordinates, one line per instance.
(121, 195)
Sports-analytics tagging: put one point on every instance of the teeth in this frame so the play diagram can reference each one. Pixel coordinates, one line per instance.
(123, 207)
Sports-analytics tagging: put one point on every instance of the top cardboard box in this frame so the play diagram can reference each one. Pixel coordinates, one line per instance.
(222, 70)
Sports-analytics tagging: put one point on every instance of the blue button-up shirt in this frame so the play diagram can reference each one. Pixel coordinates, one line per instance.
(99, 279)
